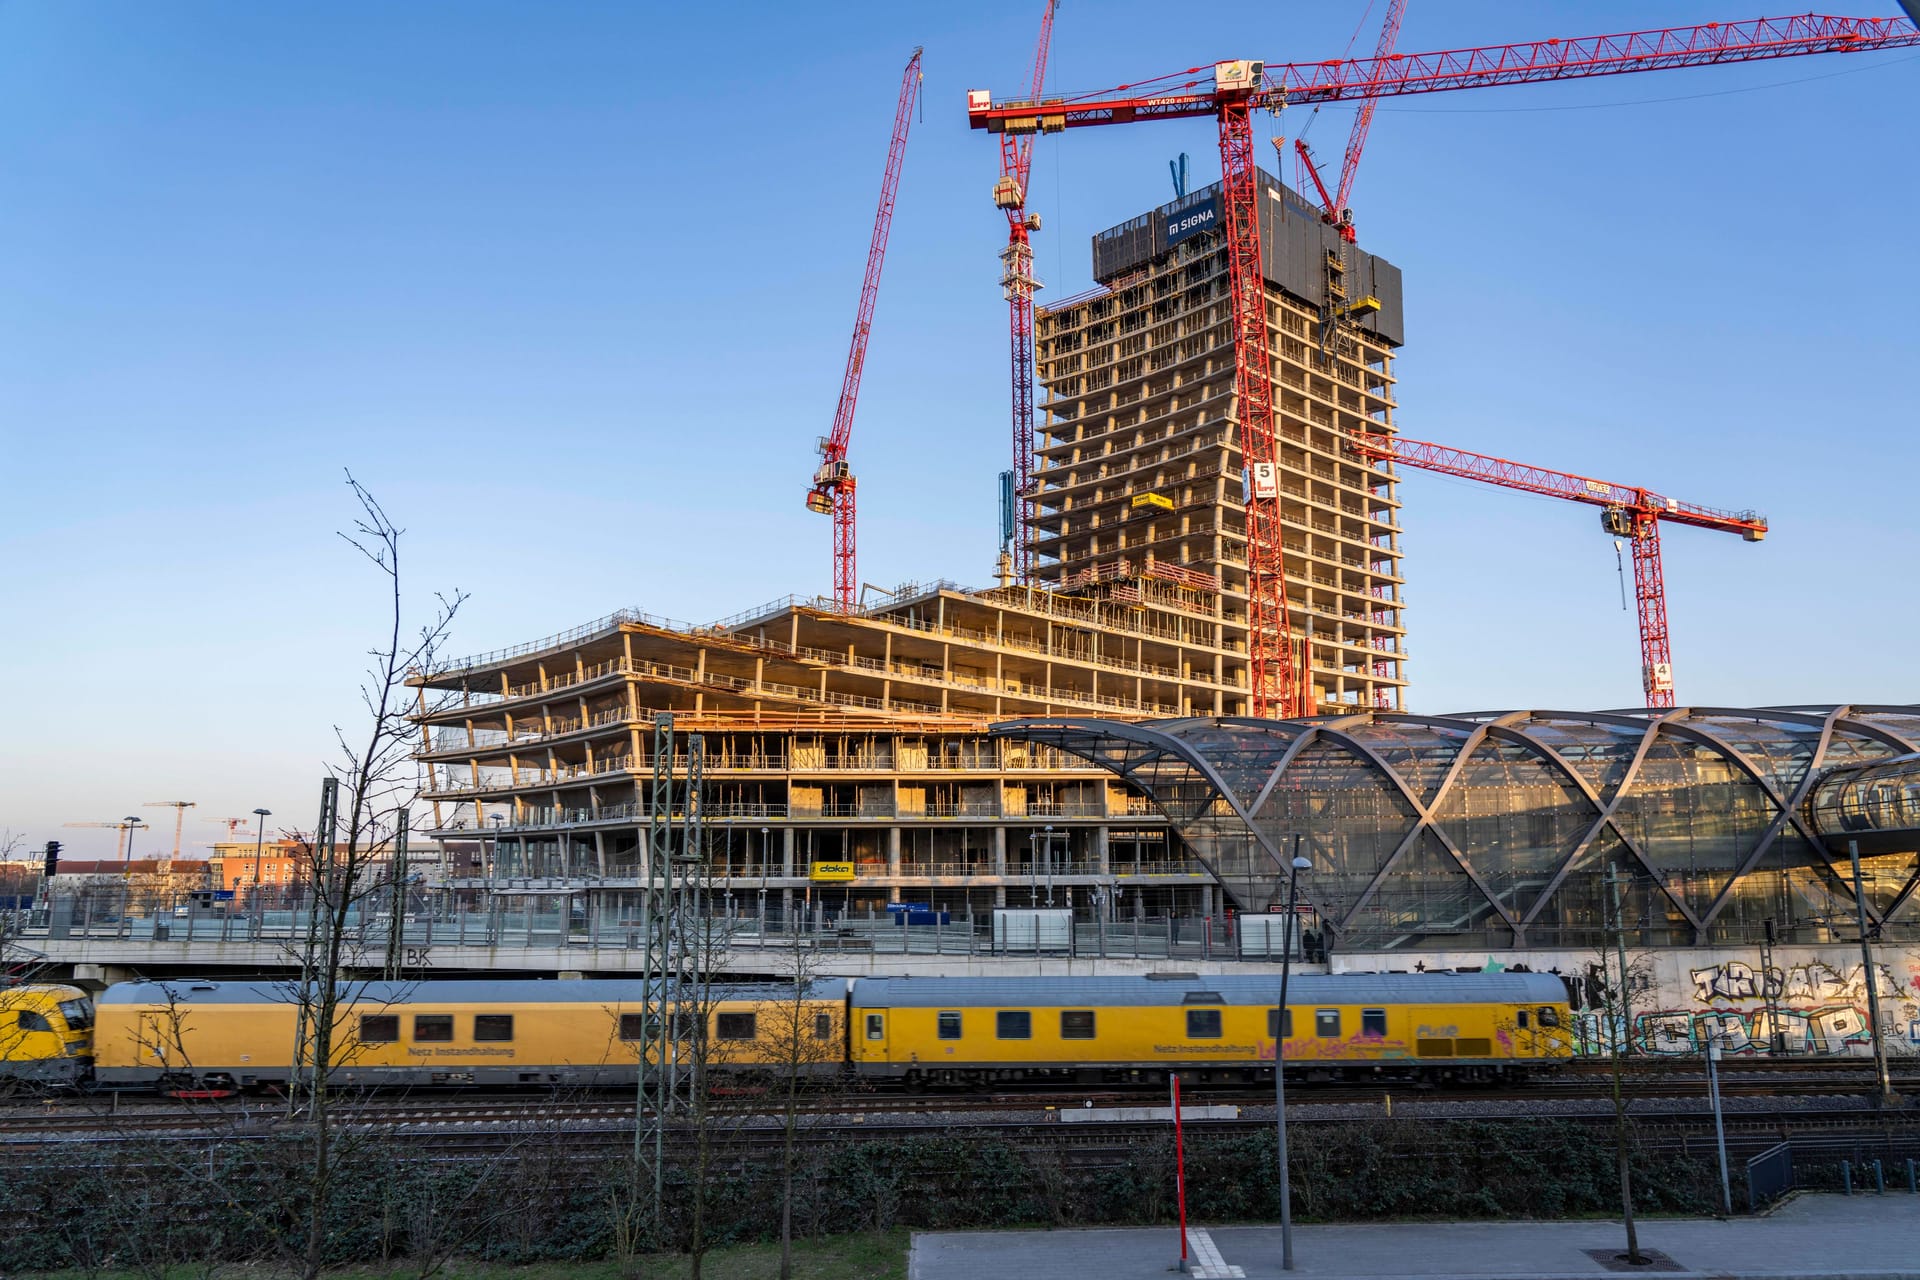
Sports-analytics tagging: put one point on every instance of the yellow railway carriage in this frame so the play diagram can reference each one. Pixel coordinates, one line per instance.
(46, 1034)
(193, 1036)
(1218, 1027)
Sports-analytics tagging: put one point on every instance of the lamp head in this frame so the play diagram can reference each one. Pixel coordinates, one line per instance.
(1302, 864)
(265, 813)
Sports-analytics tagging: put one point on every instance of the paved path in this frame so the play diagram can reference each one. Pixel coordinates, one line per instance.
(1826, 1236)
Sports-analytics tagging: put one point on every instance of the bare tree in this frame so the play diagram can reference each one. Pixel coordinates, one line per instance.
(373, 781)
(801, 1048)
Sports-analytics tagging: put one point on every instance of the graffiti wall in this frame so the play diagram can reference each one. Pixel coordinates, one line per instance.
(1809, 1000)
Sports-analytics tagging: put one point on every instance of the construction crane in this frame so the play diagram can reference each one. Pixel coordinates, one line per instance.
(1017, 282)
(1335, 209)
(128, 825)
(179, 808)
(833, 483)
(1230, 91)
(1626, 511)
(234, 825)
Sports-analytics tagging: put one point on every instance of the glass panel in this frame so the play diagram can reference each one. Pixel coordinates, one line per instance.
(1695, 815)
(1373, 1022)
(1420, 754)
(1076, 1024)
(1516, 817)
(1013, 1024)
(1203, 1024)
(1350, 813)
(379, 1028)
(1287, 1023)
(823, 1026)
(734, 1026)
(492, 1027)
(949, 1020)
(1326, 1024)
(433, 1028)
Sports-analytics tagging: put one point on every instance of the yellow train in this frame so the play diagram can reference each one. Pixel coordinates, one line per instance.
(46, 1034)
(216, 1036)
(196, 1037)
(1437, 1026)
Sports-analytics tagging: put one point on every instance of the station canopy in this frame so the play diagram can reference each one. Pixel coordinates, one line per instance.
(1519, 828)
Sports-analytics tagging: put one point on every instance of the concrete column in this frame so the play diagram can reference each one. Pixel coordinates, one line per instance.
(1000, 857)
(893, 852)
(787, 854)
(600, 852)
(1101, 850)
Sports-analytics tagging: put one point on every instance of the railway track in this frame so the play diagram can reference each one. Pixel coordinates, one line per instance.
(1796, 1088)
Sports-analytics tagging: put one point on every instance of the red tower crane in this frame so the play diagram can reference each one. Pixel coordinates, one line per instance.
(1018, 284)
(1626, 511)
(833, 482)
(1335, 209)
(1230, 92)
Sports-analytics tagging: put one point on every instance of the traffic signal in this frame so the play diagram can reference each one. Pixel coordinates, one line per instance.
(53, 858)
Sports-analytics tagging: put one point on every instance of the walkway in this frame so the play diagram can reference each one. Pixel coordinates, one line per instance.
(1860, 1237)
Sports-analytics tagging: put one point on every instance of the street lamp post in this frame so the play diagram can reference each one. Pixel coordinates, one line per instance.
(1298, 865)
(1719, 1127)
(1049, 857)
(259, 842)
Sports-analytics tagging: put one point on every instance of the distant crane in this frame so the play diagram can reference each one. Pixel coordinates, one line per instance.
(235, 825)
(179, 808)
(1230, 91)
(833, 483)
(1626, 511)
(1335, 210)
(129, 825)
(1018, 284)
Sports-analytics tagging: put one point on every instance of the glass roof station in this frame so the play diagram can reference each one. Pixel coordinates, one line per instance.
(1510, 829)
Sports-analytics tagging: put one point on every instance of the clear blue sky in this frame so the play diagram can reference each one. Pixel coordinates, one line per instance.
(569, 286)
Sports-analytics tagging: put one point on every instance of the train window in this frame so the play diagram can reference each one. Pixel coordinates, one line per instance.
(684, 1024)
(733, 1026)
(379, 1028)
(78, 1013)
(636, 1026)
(1076, 1024)
(823, 1026)
(493, 1027)
(1288, 1024)
(433, 1028)
(949, 1024)
(31, 1021)
(1203, 1024)
(1013, 1024)
(1373, 1022)
(1521, 1020)
(1549, 1016)
(1326, 1023)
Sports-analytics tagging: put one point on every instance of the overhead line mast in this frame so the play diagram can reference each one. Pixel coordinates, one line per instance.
(833, 482)
(1626, 511)
(1230, 91)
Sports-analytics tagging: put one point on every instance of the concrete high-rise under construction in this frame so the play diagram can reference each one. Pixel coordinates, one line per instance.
(849, 749)
(1139, 467)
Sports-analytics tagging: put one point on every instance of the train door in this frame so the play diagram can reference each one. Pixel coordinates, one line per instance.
(873, 1035)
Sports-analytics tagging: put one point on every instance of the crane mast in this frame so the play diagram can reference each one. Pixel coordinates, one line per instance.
(1626, 511)
(1018, 284)
(833, 482)
(1231, 91)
